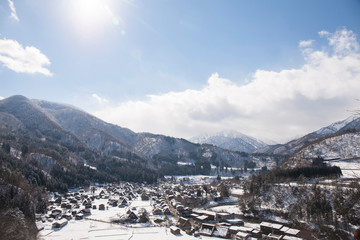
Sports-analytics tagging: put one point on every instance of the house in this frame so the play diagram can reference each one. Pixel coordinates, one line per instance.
(132, 216)
(86, 211)
(56, 213)
(235, 222)
(291, 238)
(267, 227)
(123, 203)
(236, 229)
(184, 223)
(222, 232)
(59, 224)
(102, 207)
(289, 231)
(174, 230)
(67, 216)
(113, 202)
(79, 216)
(242, 236)
(207, 229)
(158, 211)
(211, 215)
(203, 218)
(224, 216)
(273, 236)
(167, 211)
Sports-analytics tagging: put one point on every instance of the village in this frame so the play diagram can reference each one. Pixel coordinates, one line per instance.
(178, 207)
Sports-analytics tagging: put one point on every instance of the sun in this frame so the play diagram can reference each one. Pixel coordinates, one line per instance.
(90, 17)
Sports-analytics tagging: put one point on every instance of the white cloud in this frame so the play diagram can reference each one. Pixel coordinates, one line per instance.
(1, 98)
(323, 33)
(305, 43)
(13, 11)
(99, 99)
(23, 59)
(273, 105)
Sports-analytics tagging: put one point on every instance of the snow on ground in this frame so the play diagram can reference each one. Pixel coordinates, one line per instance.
(237, 191)
(349, 168)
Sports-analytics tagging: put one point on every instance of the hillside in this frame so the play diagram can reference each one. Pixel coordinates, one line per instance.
(351, 123)
(66, 138)
(342, 145)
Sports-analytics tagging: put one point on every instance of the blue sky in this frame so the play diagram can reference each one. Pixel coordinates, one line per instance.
(183, 68)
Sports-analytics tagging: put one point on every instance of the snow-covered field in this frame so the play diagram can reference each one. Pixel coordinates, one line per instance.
(349, 168)
(227, 208)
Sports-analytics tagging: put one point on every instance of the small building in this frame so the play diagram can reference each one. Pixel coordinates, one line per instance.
(290, 231)
(236, 229)
(204, 218)
(273, 236)
(207, 229)
(132, 216)
(242, 236)
(222, 232)
(79, 216)
(167, 211)
(267, 228)
(59, 224)
(184, 223)
(235, 222)
(175, 230)
(224, 216)
(291, 238)
(102, 207)
(123, 203)
(158, 211)
(86, 211)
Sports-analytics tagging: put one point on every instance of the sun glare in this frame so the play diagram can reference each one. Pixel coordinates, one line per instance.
(91, 17)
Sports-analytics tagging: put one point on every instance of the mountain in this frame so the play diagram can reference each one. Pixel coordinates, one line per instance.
(343, 145)
(351, 123)
(62, 139)
(231, 140)
(338, 140)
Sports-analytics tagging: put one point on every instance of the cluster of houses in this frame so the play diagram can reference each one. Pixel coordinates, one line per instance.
(79, 204)
(186, 203)
(225, 225)
(199, 221)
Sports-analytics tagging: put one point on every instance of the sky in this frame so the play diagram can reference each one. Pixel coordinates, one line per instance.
(273, 70)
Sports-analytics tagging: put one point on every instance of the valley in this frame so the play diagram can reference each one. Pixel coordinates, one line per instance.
(59, 165)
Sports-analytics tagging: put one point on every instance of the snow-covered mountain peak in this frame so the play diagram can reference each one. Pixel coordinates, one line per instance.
(231, 140)
(333, 128)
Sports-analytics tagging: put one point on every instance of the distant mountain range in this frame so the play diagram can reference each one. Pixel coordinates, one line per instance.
(58, 139)
(230, 140)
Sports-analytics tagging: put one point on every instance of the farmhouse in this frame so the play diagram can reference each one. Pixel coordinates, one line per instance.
(267, 227)
(59, 224)
(207, 229)
(222, 232)
(242, 236)
(184, 223)
(102, 207)
(174, 230)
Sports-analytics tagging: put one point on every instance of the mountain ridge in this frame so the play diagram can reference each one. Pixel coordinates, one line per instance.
(230, 140)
